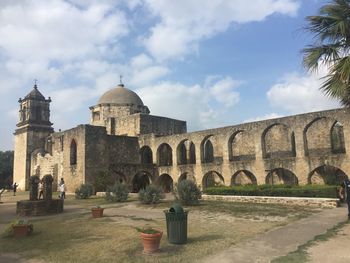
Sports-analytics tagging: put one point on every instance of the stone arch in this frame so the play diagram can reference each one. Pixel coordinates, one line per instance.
(186, 152)
(146, 155)
(278, 141)
(164, 155)
(140, 181)
(243, 177)
(207, 150)
(211, 179)
(73, 152)
(327, 174)
(337, 138)
(186, 176)
(181, 153)
(241, 146)
(323, 136)
(166, 183)
(281, 176)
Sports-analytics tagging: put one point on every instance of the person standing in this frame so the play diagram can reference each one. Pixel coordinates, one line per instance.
(41, 189)
(15, 185)
(344, 193)
(63, 191)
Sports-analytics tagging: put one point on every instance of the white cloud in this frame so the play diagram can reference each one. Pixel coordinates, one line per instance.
(192, 103)
(269, 116)
(223, 91)
(56, 30)
(184, 23)
(297, 93)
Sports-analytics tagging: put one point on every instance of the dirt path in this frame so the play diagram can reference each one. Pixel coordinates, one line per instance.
(283, 240)
(333, 250)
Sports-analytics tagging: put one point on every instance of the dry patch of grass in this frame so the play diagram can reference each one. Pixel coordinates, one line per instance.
(212, 226)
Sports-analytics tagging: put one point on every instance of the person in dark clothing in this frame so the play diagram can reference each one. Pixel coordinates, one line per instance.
(15, 185)
(344, 193)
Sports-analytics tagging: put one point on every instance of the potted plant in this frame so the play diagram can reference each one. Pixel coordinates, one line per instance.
(150, 239)
(21, 228)
(97, 211)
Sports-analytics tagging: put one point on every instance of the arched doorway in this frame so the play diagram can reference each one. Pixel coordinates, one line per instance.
(327, 174)
(212, 179)
(281, 176)
(140, 181)
(243, 177)
(166, 183)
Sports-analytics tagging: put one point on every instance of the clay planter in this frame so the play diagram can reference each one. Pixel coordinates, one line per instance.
(97, 212)
(151, 242)
(21, 230)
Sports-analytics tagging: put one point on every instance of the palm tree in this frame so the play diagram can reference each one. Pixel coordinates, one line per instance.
(331, 29)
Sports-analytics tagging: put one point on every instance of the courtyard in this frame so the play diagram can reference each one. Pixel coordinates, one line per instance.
(217, 232)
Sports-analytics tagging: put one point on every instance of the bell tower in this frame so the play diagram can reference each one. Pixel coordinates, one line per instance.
(33, 128)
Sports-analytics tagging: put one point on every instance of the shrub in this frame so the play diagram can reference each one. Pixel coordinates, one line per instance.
(117, 193)
(187, 192)
(151, 195)
(321, 191)
(84, 191)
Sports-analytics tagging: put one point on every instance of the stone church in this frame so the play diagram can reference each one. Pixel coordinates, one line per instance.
(129, 145)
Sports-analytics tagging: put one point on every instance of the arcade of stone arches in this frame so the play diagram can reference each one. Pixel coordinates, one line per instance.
(277, 141)
(325, 174)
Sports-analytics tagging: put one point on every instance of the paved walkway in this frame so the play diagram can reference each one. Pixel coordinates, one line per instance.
(283, 240)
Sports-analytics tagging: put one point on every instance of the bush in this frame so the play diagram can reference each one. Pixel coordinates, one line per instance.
(84, 191)
(320, 191)
(117, 193)
(151, 195)
(187, 192)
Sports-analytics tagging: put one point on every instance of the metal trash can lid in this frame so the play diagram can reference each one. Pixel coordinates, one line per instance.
(176, 208)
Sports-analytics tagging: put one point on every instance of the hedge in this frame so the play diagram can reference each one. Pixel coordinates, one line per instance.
(320, 191)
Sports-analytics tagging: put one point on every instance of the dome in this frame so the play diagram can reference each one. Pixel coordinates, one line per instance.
(120, 95)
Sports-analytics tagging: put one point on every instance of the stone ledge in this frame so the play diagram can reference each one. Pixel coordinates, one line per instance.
(302, 201)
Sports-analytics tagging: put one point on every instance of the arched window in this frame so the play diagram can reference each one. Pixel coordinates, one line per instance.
(208, 152)
(337, 138)
(146, 155)
(164, 155)
(192, 159)
(73, 153)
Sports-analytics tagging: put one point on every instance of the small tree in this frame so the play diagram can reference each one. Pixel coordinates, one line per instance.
(101, 181)
(187, 192)
(151, 195)
(117, 193)
(84, 191)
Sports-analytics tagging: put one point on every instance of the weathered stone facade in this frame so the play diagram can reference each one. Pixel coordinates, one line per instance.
(139, 149)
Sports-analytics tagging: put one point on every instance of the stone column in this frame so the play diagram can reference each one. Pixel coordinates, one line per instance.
(47, 183)
(33, 187)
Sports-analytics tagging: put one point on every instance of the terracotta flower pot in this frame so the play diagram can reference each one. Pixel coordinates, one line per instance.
(97, 212)
(21, 230)
(151, 242)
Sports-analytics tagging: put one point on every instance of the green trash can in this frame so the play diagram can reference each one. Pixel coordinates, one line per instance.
(176, 224)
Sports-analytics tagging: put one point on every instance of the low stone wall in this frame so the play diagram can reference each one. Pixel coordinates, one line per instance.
(39, 207)
(302, 201)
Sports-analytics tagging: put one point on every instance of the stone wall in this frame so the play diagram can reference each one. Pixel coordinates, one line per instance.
(288, 148)
(301, 201)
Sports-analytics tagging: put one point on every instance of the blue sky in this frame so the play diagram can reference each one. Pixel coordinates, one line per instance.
(212, 63)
